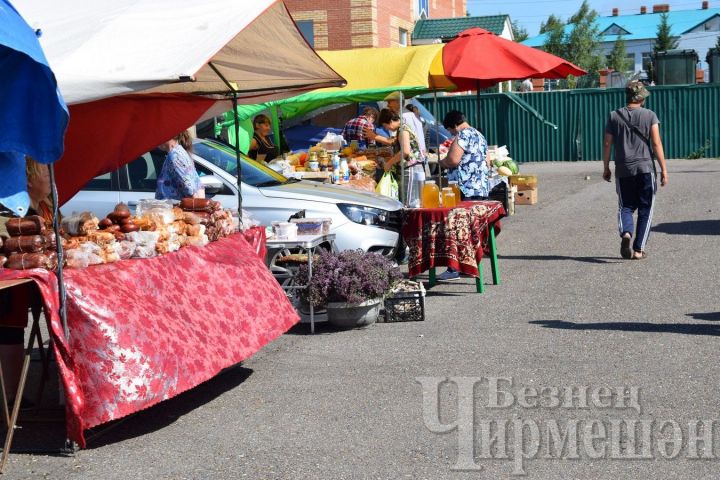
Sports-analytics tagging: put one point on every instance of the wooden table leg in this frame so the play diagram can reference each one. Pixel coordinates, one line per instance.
(493, 257)
(18, 400)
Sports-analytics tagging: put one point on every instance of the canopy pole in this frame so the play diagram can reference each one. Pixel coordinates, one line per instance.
(477, 104)
(437, 136)
(238, 167)
(276, 128)
(403, 184)
(60, 253)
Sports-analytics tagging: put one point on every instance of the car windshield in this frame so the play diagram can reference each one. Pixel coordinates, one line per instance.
(252, 172)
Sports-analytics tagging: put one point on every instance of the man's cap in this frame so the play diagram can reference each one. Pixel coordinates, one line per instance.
(637, 91)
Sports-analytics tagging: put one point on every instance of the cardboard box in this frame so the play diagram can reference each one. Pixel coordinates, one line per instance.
(526, 197)
(524, 182)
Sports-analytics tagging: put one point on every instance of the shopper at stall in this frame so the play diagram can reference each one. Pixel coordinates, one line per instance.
(407, 149)
(409, 117)
(635, 133)
(467, 164)
(14, 302)
(178, 178)
(262, 147)
(355, 128)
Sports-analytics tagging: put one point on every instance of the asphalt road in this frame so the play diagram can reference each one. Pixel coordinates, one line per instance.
(569, 314)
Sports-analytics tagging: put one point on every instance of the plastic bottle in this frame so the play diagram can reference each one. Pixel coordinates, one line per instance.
(430, 195)
(335, 168)
(344, 170)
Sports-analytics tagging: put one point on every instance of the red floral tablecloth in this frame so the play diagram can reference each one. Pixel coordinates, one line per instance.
(142, 331)
(452, 237)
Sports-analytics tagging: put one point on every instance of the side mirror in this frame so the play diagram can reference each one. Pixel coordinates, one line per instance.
(211, 184)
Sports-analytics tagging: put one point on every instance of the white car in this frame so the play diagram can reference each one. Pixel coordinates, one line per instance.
(360, 220)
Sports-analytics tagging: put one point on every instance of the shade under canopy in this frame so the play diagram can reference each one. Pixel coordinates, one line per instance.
(138, 72)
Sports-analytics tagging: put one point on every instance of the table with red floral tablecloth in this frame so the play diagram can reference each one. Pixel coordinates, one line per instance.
(144, 330)
(453, 237)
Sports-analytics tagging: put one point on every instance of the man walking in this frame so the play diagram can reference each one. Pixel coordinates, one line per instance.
(635, 133)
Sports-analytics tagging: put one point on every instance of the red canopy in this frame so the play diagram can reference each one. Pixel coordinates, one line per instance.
(479, 59)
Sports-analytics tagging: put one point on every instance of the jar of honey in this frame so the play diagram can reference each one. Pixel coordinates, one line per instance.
(448, 198)
(430, 195)
(458, 194)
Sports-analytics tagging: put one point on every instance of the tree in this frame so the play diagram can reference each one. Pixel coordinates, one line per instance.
(520, 33)
(617, 59)
(583, 41)
(551, 23)
(555, 40)
(664, 41)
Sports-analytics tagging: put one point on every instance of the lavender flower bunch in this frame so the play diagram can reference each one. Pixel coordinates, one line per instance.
(351, 276)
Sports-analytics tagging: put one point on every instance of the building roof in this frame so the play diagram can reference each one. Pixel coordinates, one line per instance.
(448, 28)
(642, 26)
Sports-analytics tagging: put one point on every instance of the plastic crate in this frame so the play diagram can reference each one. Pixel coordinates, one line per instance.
(405, 306)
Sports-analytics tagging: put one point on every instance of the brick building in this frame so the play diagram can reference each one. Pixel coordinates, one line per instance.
(346, 24)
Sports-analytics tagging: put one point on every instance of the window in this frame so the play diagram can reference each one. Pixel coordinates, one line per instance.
(403, 37)
(101, 183)
(423, 8)
(142, 173)
(306, 28)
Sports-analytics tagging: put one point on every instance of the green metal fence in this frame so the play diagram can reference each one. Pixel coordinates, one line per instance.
(689, 120)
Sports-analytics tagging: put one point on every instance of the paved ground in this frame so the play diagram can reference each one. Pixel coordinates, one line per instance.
(569, 313)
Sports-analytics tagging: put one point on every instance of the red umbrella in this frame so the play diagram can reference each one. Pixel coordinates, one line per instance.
(478, 58)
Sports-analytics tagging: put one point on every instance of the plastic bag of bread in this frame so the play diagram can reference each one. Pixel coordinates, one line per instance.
(30, 225)
(101, 238)
(197, 240)
(145, 251)
(80, 224)
(25, 261)
(24, 244)
(125, 249)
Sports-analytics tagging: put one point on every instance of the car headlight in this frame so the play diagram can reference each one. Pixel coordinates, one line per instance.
(364, 215)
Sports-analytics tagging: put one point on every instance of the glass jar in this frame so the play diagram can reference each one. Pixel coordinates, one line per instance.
(458, 194)
(448, 198)
(430, 195)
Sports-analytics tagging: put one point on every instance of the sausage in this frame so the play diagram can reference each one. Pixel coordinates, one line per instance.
(117, 217)
(195, 204)
(24, 244)
(30, 225)
(126, 220)
(24, 261)
(2, 261)
(129, 227)
(122, 209)
(105, 222)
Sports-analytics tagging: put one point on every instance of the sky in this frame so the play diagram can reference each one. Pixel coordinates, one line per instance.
(529, 13)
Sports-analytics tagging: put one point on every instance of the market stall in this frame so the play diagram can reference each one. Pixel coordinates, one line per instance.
(147, 325)
(455, 237)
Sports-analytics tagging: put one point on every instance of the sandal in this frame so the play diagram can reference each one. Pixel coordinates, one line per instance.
(625, 250)
(639, 255)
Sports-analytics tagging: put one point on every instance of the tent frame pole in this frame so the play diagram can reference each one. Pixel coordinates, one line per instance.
(60, 252)
(238, 162)
(437, 136)
(238, 167)
(403, 187)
